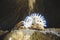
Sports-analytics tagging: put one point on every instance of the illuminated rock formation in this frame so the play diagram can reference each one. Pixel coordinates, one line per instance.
(31, 35)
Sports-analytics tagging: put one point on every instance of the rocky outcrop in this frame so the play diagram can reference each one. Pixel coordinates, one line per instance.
(26, 34)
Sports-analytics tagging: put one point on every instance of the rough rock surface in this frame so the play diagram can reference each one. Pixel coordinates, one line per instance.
(26, 34)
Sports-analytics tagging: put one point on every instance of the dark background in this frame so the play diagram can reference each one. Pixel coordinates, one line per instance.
(13, 11)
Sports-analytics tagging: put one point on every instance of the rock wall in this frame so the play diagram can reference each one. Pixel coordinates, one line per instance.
(12, 11)
(26, 34)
